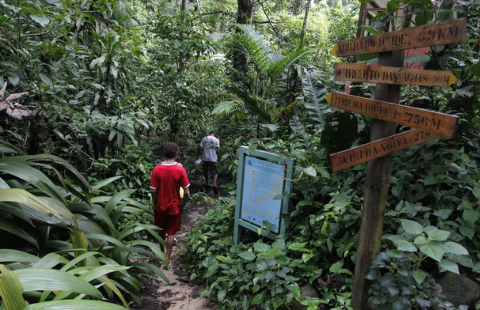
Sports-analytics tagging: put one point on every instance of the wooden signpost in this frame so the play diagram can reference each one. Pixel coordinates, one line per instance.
(426, 125)
(379, 148)
(423, 36)
(390, 75)
(437, 122)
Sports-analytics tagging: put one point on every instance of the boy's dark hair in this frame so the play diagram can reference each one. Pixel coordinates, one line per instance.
(212, 131)
(170, 150)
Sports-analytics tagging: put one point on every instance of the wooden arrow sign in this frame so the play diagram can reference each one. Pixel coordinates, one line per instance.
(379, 148)
(437, 122)
(392, 75)
(422, 36)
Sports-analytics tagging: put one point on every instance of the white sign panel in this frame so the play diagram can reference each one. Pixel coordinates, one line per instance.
(262, 181)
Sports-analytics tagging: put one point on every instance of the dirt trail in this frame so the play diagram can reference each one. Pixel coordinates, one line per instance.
(181, 294)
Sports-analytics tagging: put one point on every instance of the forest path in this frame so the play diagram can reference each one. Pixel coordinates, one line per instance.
(181, 294)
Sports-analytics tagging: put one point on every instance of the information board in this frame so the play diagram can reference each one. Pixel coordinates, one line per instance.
(263, 185)
(262, 181)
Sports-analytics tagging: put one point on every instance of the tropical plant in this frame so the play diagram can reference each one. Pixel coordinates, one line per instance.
(92, 239)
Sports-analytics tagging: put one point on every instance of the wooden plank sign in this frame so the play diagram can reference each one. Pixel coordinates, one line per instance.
(422, 36)
(392, 75)
(379, 148)
(437, 122)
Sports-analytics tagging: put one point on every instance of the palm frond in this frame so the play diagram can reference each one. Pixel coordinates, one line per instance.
(11, 290)
(254, 45)
(275, 68)
(314, 97)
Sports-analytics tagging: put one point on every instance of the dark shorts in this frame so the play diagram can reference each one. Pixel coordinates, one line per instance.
(168, 223)
(210, 165)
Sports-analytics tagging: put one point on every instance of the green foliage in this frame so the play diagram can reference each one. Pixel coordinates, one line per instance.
(98, 245)
(396, 286)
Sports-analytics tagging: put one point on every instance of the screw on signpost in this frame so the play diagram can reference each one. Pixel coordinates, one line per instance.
(426, 125)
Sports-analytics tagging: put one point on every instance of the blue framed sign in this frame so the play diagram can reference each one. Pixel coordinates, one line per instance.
(262, 178)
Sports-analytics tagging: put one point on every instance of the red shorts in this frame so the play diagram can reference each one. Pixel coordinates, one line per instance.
(168, 223)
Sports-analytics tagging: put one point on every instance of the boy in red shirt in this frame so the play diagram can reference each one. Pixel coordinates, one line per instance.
(167, 178)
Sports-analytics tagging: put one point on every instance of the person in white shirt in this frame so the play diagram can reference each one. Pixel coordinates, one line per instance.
(209, 147)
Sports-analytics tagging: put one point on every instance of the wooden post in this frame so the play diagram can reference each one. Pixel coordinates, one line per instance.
(376, 189)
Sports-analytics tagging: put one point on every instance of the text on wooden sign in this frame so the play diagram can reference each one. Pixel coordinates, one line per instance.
(379, 148)
(441, 123)
(392, 75)
(422, 36)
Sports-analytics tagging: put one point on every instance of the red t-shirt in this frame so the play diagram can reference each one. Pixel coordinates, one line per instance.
(167, 180)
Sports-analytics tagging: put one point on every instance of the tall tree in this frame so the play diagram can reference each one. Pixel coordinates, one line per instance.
(183, 58)
(296, 6)
(305, 22)
(244, 16)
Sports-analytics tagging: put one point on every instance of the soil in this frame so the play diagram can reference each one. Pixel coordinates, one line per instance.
(181, 293)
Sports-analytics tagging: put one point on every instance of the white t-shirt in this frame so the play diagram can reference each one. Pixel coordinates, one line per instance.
(209, 143)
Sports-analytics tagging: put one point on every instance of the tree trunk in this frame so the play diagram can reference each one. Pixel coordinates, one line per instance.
(296, 7)
(361, 16)
(183, 58)
(244, 16)
(305, 22)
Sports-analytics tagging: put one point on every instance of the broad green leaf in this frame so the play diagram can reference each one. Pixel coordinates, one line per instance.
(365, 57)
(411, 227)
(99, 271)
(15, 230)
(261, 247)
(475, 69)
(78, 259)
(42, 20)
(467, 231)
(152, 269)
(31, 175)
(48, 158)
(443, 213)
(429, 180)
(270, 127)
(135, 227)
(392, 6)
(449, 265)
(33, 279)
(298, 247)
(74, 305)
(50, 260)
(94, 273)
(370, 30)
(470, 216)
(417, 58)
(22, 196)
(247, 255)
(406, 246)
(419, 276)
(16, 256)
(335, 268)
(310, 171)
(432, 251)
(115, 200)
(105, 182)
(11, 290)
(11, 147)
(438, 235)
(46, 79)
(455, 248)
(257, 299)
(153, 248)
(420, 240)
(13, 78)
